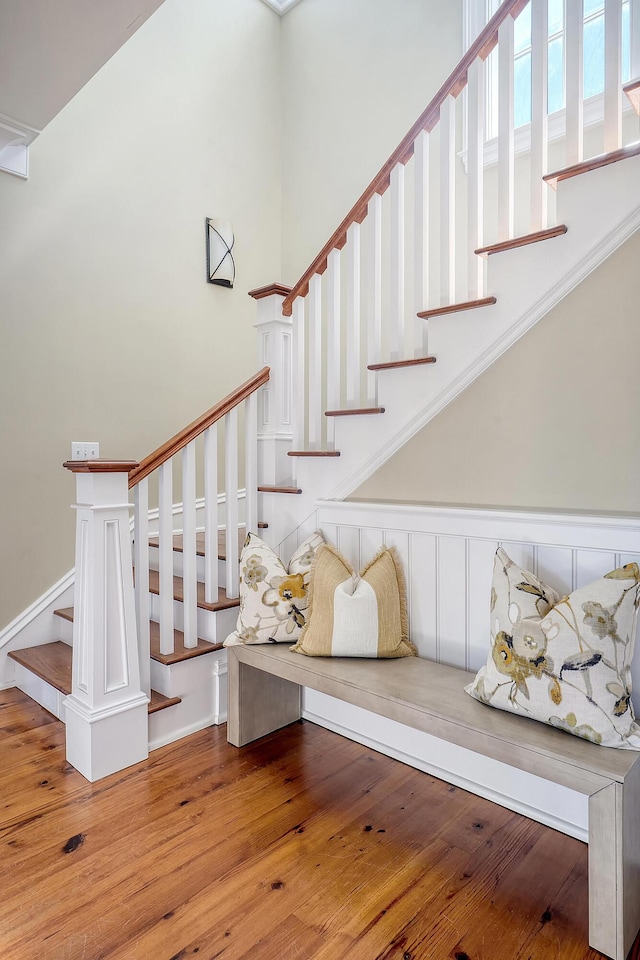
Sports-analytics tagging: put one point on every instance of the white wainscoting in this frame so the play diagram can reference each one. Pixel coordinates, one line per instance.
(448, 559)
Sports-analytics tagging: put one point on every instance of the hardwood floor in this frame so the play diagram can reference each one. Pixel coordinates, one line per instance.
(304, 846)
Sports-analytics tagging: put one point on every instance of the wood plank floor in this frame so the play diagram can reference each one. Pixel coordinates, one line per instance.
(304, 846)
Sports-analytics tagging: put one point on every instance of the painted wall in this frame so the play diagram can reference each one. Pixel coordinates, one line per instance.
(108, 330)
(553, 423)
(356, 75)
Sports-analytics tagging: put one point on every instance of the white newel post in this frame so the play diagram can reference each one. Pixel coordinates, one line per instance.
(106, 713)
(275, 398)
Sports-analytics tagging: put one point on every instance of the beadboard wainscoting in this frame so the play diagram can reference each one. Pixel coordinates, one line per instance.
(448, 560)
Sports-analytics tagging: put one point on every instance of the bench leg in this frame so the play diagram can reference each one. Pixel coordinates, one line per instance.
(258, 703)
(614, 866)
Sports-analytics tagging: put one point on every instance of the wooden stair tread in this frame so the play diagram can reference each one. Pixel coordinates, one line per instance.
(223, 602)
(313, 453)
(222, 541)
(522, 241)
(52, 663)
(392, 364)
(632, 91)
(65, 613)
(593, 164)
(282, 489)
(457, 307)
(360, 412)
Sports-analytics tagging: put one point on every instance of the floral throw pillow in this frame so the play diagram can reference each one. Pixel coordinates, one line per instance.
(563, 660)
(273, 598)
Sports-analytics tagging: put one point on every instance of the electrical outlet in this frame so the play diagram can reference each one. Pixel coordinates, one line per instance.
(84, 450)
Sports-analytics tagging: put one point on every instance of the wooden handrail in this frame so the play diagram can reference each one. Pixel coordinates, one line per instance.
(175, 444)
(427, 120)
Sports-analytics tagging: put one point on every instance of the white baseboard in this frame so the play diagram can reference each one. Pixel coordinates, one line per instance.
(33, 625)
(547, 803)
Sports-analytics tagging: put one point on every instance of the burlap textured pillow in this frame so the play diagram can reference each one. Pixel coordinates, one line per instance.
(351, 616)
(273, 598)
(565, 661)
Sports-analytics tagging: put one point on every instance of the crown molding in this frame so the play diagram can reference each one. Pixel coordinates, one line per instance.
(281, 6)
(15, 138)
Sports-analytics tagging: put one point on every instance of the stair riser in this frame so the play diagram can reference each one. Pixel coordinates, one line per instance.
(39, 690)
(178, 560)
(213, 625)
(202, 685)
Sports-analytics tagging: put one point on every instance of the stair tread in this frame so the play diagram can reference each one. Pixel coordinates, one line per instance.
(457, 307)
(281, 489)
(222, 541)
(522, 241)
(223, 602)
(52, 663)
(594, 163)
(356, 412)
(392, 364)
(313, 453)
(632, 90)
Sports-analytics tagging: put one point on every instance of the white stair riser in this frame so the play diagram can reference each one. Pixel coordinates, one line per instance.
(39, 690)
(213, 625)
(201, 683)
(178, 564)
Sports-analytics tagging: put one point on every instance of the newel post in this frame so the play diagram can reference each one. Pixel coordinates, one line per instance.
(106, 713)
(275, 398)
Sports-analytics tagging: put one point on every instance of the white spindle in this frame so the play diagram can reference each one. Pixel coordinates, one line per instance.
(231, 500)
(397, 263)
(574, 80)
(475, 160)
(635, 39)
(421, 240)
(298, 378)
(141, 564)
(539, 125)
(353, 318)
(448, 201)
(374, 307)
(189, 562)
(505, 130)
(251, 462)
(165, 534)
(334, 352)
(315, 363)
(211, 514)
(612, 75)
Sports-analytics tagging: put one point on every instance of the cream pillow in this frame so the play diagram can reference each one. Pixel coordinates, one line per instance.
(563, 660)
(273, 598)
(356, 616)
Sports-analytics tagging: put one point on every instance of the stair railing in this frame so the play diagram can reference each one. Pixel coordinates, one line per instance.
(417, 239)
(179, 453)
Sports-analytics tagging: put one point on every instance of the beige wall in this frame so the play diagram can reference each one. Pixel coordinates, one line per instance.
(108, 330)
(356, 75)
(553, 423)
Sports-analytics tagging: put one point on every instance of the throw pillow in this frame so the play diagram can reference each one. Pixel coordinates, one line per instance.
(356, 616)
(563, 660)
(273, 598)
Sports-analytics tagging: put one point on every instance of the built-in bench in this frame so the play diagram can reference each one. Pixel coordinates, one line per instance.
(265, 694)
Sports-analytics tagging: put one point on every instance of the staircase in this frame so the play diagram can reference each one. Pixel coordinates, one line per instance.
(436, 271)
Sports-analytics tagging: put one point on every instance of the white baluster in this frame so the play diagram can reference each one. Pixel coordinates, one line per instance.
(231, 500)
(475, 160)
(334, 353)
(448, 201)
(421, 241)
(505, 130)
(211, 514)
(539, 125)
(612, 75)
(251, 462)
(189, 568)
(374, 325)
(397, 263)
(635, 39)
(141, 564)
(353, 318)
(165, 535)
(299, 383)
(316, 412)
(574, 82)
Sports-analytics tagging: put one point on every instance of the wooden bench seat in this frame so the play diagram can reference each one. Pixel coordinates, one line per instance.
(265, 694)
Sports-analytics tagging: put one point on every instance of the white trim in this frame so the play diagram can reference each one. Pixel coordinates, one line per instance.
(15, 138)
(596, 255)
(39, 606)
(200, 501)
(281, 6)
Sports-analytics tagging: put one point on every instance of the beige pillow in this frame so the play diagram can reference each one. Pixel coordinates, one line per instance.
(563, 660)
(356, 616)
(273, 598)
